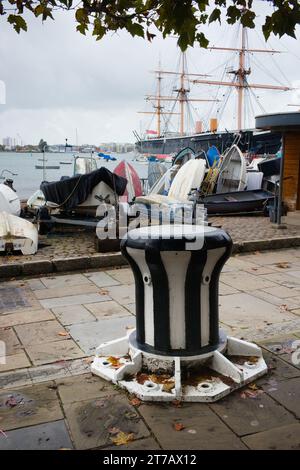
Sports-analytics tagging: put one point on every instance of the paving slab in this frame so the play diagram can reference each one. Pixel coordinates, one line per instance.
(123, 275)
(64, 281)
(48, 436)
(45, 353)
(279, 438)
(110, 309)
(283, 292)
(41, 332)
(282, 278)
(202, 428)
(245, 281)
(84, 387)
(287, 393)
(74, 300)
(251, 415)
(280, 345)
(288, 303)
(74, 314)
(93, 423)
(224, 289)
(25, 316)
(58, 370)
(64, 291)
(90, 335)
(12, 298)
(123, 294)
(35, 284)
(242, 310)
(15, 379)
(102, 279)
(279, 368)
(16, 361)
(29, 406)
(12, 344)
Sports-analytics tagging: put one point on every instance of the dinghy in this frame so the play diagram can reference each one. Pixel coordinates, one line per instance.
(188, 177)
(17, 234)
(9, 201)
(238, 202)
(134, 184)
(233, 176)
(155, 172)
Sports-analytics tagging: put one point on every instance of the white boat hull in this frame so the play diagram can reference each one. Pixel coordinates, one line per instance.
(233, 172)
(17, 234)
(9, 201)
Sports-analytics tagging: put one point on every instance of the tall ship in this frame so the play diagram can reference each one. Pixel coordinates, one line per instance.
(161, 139)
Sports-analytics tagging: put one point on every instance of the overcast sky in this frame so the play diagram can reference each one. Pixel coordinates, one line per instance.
(58, 81)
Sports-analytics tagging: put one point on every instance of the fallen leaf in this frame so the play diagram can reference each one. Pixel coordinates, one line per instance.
(168, 386)
(103, 291)
(135, 401)
(88, 360)
(11, 402)
(177, 403)
(283, 265)
(122, 438)
(114, 431)
(248, 393)
(63, 333)
(114, 361)
(100, 403)
(192, 431)
(178, 426)
(253, 387)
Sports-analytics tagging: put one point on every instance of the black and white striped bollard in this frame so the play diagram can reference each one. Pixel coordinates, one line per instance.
(176, 271)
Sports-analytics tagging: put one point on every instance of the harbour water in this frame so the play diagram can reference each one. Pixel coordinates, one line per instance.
(28, 178)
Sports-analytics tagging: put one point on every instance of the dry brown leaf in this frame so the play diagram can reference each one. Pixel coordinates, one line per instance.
(114, 361)
(135, 401)
(114, 431)
(178, 426)
(103, 291)
(168, 386)
(177, 403)
(283, 265)
(122, 438)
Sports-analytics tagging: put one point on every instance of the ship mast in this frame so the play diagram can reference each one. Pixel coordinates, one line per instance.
(158, 106)
(240, 81)
(182, 94)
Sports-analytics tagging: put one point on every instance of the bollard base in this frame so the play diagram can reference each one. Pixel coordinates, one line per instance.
(205, 378)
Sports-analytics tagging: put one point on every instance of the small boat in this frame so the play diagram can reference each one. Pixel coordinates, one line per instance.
(9, 200)
(238, 202)
(233, 175)
(134, 185)
(141, 159)
(270, 166)
(17, 234)
(155, 172)
(47, 167)
(65, 163)
(187, 178)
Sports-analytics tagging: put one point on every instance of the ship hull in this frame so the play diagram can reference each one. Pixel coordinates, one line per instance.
(257, 143)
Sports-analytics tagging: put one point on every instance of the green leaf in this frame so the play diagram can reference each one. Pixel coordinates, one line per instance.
(202, 39)
(215, 16)
(135, 29)
(18, 22)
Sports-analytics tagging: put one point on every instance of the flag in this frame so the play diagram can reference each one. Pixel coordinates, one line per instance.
(149, 131)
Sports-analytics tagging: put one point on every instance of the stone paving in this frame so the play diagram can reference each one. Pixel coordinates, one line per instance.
(81, 243)
(52, 324)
